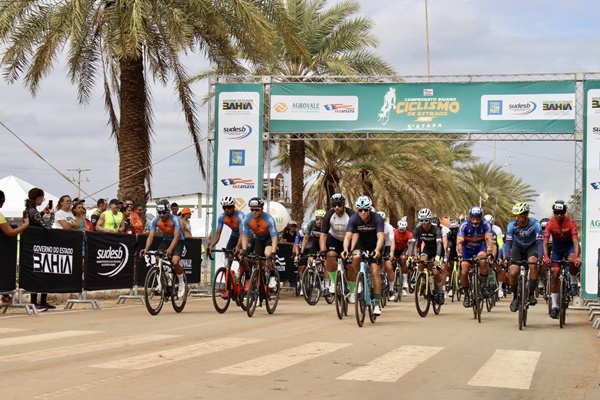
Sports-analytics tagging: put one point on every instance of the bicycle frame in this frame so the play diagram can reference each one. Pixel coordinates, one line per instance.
(225, 286)
(258, 289)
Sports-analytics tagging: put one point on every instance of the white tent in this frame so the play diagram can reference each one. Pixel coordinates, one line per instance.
(15, 190)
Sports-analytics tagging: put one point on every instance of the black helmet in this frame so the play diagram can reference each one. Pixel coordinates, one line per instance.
(338, 199)
(559, 207)
(163, 206)
(256, 202)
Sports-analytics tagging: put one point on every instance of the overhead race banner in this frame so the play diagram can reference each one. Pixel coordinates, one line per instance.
(591, 188)
(494, 107)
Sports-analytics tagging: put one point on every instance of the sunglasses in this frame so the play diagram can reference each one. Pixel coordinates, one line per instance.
(162, 212)
(227, 207)
(255, 209)
(423, 221)
(293, 226)
(559, 213)
(363, 210)
(338, 205)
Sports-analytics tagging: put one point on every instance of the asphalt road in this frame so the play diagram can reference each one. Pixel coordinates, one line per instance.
(300, 352)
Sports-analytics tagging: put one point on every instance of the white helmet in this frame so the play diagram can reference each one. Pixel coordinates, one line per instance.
(424, 213)
(453, 224)
(402, 225)
(489, 218)
(382, 214)
(364, 202)
(227, 201)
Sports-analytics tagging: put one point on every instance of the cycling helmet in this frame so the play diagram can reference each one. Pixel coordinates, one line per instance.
(520, 208)
(453, 224)
(424, 213)
(163, 206)
(543, 222)
(475, 211)
(364, 202)
(559, 207)
(256, 202)
(489, 218)
(338, 199)
(227, 201)
(435, 221)
(382, 214)
(320, 213)
(402, 225)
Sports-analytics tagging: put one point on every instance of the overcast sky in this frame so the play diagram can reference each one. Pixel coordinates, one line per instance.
(466, 37)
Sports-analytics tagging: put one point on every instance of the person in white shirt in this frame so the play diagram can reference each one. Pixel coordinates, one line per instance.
(64, 218)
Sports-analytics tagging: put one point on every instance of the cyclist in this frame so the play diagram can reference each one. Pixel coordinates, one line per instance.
(262, 225)
(331, 242)
(474, 239)
(444, 230)
(497, 243)
(233, 219)
(451, 252)
(388, 252)
(565, 245)
(401, 238)
(310, 242)
(365, 233)
(526, 234)
(431, 237)
(172, 244)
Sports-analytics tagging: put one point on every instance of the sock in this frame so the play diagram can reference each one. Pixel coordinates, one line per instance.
(180, 277)
(532, 285)
(513, 289)
(573, 279)
(332, 276)
(352, 286)
(554, 300)
(391, 286)
(405, 277)
(377, 298)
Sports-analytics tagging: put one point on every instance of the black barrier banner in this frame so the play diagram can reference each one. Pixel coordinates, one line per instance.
(109, 261)
(8, 263)
(191, 259)
(50, 261)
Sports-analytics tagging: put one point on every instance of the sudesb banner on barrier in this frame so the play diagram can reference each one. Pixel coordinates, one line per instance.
(110, 259)
(489, 107)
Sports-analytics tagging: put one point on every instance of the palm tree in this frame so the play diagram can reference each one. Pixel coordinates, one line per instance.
(337, 43)
(126, 42)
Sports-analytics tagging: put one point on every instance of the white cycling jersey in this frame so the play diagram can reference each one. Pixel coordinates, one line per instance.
(388, 232)
(337, 225)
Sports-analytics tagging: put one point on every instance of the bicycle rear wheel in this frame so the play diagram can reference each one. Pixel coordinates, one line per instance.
(412, 280)
(341, 304)
(477, 298)
(454, 286)
(154, 291)
(360, 305)
(311, 285)
(398, 281)
(422, 300)
(253, 292)
(562, 299)
(179, 302)
(298, 280)
(329, 297)
(385, 289)
(272, 297)
(222, 291)
(240, 300)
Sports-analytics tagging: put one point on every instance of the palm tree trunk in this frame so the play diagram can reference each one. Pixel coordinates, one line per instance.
(297, 155)
(133, 142)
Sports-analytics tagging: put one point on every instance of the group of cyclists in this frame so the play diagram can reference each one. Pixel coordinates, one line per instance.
(347, 233)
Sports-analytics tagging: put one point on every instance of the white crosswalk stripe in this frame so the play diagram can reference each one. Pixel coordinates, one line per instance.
(392, 366)
(516, 366)
(10, 330)
(166, 356)
(19, 340)
(267, 364)
(85, 348)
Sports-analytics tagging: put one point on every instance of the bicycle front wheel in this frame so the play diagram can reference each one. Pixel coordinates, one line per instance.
(179, 302)
(398, 281)
(360, 305)
(253, 292)
(311, 285)
(154, 291)
(341, 305)
(412, 279)
(477, 298)
(422, 300)
(563, 302)
(521, 300)
(222, 291)
(272, 297)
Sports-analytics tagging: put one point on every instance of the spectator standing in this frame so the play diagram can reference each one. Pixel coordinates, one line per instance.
(186, 225)
(64, 218)
(287, 250)
(175, 209)
(111, 220)
(102, 206)
(136, 220)
(127, 210)
(8, 230)
(35, 198)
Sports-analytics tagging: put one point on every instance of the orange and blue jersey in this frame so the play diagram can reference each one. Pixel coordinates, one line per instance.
(232, 222)
(563, 236)
(168, 227)
(263, 227)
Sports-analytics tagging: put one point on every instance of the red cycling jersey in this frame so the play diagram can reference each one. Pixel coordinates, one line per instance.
(562, 235)
(402, 239)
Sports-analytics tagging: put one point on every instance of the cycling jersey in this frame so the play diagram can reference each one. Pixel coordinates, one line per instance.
(232, 222)
(563, 235)
(432, 239)
(335, 225)
(388, 230)
(313, 230)
(263, 227)
(497, 236)
(168, 227)
(524, 237)
(402, 239)
(367, 231)
(474, 236)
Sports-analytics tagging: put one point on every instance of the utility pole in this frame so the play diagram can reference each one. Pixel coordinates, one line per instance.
(79, 180)
(510, 163)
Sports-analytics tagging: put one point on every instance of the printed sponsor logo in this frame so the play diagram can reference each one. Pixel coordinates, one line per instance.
(594, 225)
(237, 105)
(237, 132)
(306, 107)
(340, 108)
(314, 108)
(426, 109)
(240, 203)
(237, 158)
(595, 103)
(596, 129)
(494, 107)
(53, 260)
(522, 108)
(557, 106)
(427, 92)
(112, 259)
(238, 183)
(595, 185)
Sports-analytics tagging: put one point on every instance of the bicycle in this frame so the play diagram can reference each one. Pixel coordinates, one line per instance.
(523, 290)
(225, 287)
(258, 290)
(364, 290)
(313, 280)
(490, 301)
(342, 289)
(425, 295)
(454, 285)
(412, 277)
(564, 291)
(385, 285)
(298, 280)
(161, 284)
(398, 281)
(475, 289)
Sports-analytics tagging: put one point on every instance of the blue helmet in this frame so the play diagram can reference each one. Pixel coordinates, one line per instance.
(476, 211)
